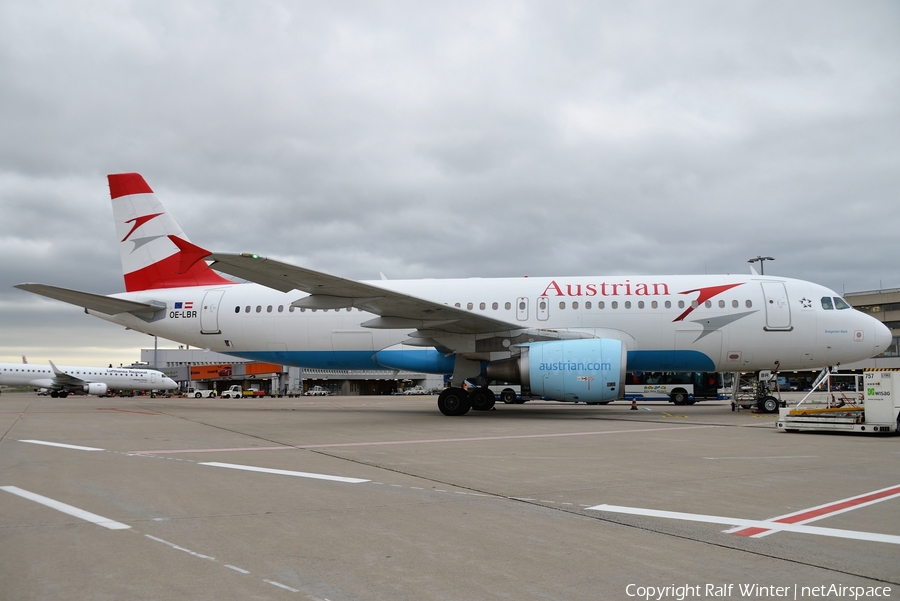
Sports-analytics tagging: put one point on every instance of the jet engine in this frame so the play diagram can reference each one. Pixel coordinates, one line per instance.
(588, 370)
(96, 388)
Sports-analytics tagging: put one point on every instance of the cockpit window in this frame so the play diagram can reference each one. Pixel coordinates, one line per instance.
(840, 303)
(826, 303)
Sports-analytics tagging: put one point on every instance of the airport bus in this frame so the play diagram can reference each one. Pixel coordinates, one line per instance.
(681, 388)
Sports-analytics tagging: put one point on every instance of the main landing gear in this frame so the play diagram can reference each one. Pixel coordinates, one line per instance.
(458, 401)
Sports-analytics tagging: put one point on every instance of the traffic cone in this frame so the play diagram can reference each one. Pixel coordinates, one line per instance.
(634, 405)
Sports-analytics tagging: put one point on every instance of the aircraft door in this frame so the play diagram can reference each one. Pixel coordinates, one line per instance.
(543, 308)
(778, 311)
(522, 308)
(153, 377)
(209, 312)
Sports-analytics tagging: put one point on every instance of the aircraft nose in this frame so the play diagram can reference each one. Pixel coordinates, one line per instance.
(883, 337)
(170, 384)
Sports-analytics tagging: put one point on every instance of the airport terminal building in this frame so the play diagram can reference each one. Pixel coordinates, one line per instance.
(883, 305)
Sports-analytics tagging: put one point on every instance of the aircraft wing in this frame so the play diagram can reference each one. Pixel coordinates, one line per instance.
(396, 310)
(95, 302)
(63, 380)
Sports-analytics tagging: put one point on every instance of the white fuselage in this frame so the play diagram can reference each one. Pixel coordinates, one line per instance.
(121, 378)
(668, 323)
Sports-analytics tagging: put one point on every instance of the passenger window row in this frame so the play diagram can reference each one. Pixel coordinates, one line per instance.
(280, 309)
(612, 305)
(587, 305)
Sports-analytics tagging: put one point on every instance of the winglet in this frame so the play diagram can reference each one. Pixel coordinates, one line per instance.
(56, 370)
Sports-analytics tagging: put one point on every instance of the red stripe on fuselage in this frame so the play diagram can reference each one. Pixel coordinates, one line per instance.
(705, 294)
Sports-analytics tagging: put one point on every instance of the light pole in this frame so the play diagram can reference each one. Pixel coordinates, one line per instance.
(762, 263)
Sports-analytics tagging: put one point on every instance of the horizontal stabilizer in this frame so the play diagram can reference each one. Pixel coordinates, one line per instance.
(95, 302)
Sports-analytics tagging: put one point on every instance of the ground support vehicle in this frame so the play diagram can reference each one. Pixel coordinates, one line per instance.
(197, 393)
(415, 390)
(872, 406)
(233, 392)
(317, 391)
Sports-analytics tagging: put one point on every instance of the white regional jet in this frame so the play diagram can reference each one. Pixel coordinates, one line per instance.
(63, 380)
(564, 338)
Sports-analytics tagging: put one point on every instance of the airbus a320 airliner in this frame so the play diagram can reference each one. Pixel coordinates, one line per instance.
(563, 338)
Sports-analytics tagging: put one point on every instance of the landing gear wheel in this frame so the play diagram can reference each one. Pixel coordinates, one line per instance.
(54, 394)
(454, 401)
(768, 404)
(482, 399)
(679, 397)
(63, 394)
(508, 396)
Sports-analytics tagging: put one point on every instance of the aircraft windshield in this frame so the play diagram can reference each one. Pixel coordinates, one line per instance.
(840, 303)
(835, 302)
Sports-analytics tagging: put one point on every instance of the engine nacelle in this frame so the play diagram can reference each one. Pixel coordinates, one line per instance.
(590, 370)
(96, 388)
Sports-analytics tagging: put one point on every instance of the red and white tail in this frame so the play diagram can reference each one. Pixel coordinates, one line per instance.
(154, 250)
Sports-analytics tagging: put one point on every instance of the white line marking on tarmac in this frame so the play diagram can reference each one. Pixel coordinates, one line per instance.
(61, 445)
(174, 546)
(236, 569)
(67, 509)
(284, 586)
(423, 441)
(758, 457)
(266, 470)
(769, 525)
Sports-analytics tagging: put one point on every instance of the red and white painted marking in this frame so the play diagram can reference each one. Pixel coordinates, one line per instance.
(822, 511)
(794, 522)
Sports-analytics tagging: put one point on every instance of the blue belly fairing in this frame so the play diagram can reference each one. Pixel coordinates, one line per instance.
(431, 361)
(425, 361)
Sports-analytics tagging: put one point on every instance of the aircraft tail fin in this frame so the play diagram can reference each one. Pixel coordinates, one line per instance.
(155, 252)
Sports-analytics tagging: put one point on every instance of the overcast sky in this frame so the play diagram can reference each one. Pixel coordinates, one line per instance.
(446, 140)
